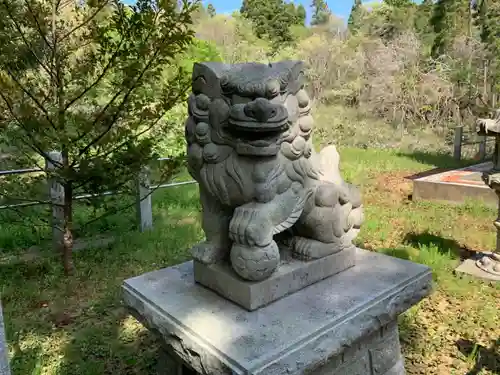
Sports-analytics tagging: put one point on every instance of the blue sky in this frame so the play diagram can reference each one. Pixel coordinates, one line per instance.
(341, 8)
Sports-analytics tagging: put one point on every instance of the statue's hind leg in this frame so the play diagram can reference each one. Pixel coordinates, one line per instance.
(329, 227)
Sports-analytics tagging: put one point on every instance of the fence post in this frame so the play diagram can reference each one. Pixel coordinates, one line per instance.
(482, 147)
(4, 358)
(457, 143)
(144, 206)
(56, 197)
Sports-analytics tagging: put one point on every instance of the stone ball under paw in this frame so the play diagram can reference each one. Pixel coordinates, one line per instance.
(255, 263)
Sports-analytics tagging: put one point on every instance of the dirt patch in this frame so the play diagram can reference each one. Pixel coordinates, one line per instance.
(395, 184)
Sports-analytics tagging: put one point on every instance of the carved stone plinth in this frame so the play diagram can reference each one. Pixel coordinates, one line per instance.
(291, 276)
(343, 325)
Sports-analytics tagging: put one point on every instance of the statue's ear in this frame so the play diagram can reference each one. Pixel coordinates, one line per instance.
(206, 78)
(294, 69)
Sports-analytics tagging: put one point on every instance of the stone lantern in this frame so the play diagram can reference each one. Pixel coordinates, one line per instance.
(491, 128)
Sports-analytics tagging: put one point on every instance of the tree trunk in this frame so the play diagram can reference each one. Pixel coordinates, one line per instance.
(68, 241)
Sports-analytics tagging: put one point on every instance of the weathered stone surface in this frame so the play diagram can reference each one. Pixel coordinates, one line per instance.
(290, 277)
(249, 146)
(337, 319)
(4, 360)
(375, 354)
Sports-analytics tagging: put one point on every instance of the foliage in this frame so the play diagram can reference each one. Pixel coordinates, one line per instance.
(211, 10)
(450, 18)
(90, 79)
(321, 13)
(354, 17)
(271, 19)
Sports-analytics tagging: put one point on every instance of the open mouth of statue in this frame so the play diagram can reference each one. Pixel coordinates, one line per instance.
(257, 134)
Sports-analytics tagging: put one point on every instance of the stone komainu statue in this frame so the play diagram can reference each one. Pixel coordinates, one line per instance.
(262, 185)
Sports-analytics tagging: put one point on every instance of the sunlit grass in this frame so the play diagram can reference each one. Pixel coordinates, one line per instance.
(78, 326)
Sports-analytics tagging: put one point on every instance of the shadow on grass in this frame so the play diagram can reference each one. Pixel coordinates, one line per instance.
(484, 358)
(400, 253)
(444, 246)
(438, 160)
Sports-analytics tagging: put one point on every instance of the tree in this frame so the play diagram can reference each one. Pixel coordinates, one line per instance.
(422, 21)
(301, 15)
(271, 19)
(450, 18)
(90, 79)
(353, 23)
(321, 13)
(487, 17)
(211, 10)
(296, 13)
(399, 3)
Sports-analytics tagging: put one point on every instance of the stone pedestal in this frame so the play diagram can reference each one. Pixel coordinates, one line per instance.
(345, 324)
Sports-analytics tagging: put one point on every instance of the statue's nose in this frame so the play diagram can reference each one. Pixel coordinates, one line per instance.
(260, 109)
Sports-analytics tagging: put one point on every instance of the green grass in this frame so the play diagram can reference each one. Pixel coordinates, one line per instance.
(78, 326)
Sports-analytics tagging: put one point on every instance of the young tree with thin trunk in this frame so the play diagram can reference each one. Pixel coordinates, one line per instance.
(90, 79)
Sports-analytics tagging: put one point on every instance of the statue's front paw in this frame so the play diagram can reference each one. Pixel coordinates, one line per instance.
(208, 253)
(249, 228)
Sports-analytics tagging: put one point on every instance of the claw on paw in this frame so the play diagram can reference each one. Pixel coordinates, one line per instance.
(208, 253)
(306, 249)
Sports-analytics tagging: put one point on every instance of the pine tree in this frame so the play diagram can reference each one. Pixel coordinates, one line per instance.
(90, 80)
(321, 13)
(450, 18)
(301, 15)
(211, 10)
(271, 19)
(487, 19)
(354, 17)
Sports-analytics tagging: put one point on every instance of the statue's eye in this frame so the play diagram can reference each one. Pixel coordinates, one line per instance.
(236, 99)
(272, 89)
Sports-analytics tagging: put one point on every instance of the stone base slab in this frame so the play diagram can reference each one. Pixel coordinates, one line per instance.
(290, 277)
(343, 323)
(455, 186)
(469, 267)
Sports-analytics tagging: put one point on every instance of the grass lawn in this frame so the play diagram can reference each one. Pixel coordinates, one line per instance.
(77, 325)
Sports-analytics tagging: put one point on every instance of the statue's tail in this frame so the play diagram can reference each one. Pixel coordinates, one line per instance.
(349, 197)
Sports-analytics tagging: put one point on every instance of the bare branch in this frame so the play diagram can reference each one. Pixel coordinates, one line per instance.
(39, 105)
(33, 146)
(85, 22)
(120, 107)
(99, 155)
(18, 28)
(20, 213)
(33, 14)
(151, 191)
(144, 131)
(12, 198)
(99, 78)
